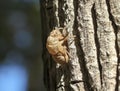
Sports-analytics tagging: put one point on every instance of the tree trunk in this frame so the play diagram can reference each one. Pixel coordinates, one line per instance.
(94, 65)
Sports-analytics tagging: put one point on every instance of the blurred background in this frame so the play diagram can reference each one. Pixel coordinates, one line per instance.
(21, 67)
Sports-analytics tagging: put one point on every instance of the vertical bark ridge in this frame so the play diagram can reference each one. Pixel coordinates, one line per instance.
(76, 77)
(87, 41)
(80, 52)
(60, 74)
(108, 56)
(115, 12)
(111, 6)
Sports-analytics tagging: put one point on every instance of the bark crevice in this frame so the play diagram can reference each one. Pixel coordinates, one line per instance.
(61, 13)
(96, 39)
(80, 52)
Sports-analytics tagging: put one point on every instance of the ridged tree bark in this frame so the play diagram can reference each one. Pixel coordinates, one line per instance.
(95, 61)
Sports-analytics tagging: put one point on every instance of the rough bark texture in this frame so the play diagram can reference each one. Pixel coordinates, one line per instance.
(94, 65)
